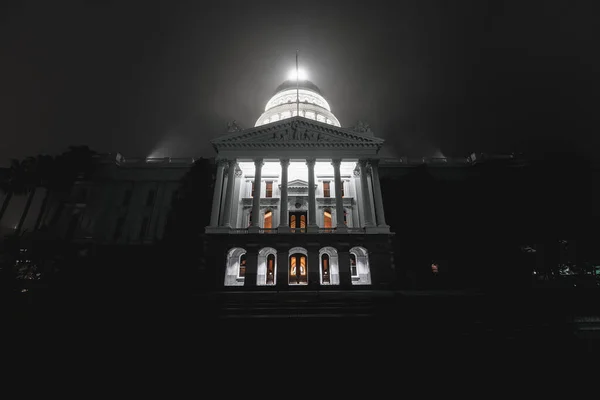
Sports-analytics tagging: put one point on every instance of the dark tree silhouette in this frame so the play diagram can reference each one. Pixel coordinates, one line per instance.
(12, 183)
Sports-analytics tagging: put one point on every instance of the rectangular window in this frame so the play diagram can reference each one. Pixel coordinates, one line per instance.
(127, 197)
(252, 191)
(144, 228)
(269, 189)
(326, 189)
(343, 194)
(150, 197)
(119, 228)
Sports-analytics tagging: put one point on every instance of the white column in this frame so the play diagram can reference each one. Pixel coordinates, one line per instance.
(366, 198)
(258, 163)
(229, 194)
(312, 214)
(283, 201)
(216, 206)
(339, 201)
(379, 212)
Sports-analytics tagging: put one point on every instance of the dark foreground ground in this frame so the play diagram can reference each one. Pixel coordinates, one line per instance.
(374, 344)
(312, 324)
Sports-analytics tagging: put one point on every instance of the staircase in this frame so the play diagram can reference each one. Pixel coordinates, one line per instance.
(297, 305)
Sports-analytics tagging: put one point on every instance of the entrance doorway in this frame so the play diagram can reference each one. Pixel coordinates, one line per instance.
(298, 220)
(298, 269)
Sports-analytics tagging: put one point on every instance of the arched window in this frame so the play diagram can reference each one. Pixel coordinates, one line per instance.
(325, 270)
(268, 220)
(266, 272)
(235, 267)
(329, 268)
(359, 262)
(327, 218)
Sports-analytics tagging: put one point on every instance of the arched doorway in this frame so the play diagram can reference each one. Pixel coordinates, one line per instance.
(298, 267)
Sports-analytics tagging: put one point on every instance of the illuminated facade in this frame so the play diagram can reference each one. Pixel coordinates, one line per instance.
(297, 200)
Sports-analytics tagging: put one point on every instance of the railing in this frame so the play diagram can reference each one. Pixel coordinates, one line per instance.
(267, 230)
(238, 230)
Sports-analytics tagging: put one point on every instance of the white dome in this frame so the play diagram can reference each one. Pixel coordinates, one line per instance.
(283, 104)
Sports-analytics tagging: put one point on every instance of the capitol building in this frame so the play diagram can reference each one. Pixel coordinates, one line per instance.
(297, 201)
(297, 198)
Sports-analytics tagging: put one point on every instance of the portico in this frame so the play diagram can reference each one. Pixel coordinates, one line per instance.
(266, 194)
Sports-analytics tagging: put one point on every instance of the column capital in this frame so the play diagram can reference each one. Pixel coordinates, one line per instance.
(284, 162)
(238, 171)
(311, 162)
(259, 161)
(363, 162)
(336, 162)
(222, 162)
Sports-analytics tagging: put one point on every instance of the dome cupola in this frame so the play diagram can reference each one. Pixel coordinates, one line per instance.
(283, 104)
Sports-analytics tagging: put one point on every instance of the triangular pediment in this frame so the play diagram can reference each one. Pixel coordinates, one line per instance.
(298, 183)
(296, 132)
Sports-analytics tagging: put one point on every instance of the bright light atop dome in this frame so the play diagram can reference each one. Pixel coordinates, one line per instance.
(301, 75)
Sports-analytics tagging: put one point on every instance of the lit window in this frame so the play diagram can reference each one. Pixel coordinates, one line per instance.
(269, 189)
(327, 218)
(325, 268)
(270, 269)
(435, 268)
(353, 269)
(326, 189)
(268, 222)
(242, 270)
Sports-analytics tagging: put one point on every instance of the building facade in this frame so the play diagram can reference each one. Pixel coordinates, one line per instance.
(297, 200)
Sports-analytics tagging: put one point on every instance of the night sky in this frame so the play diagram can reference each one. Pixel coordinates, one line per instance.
(430, 77)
